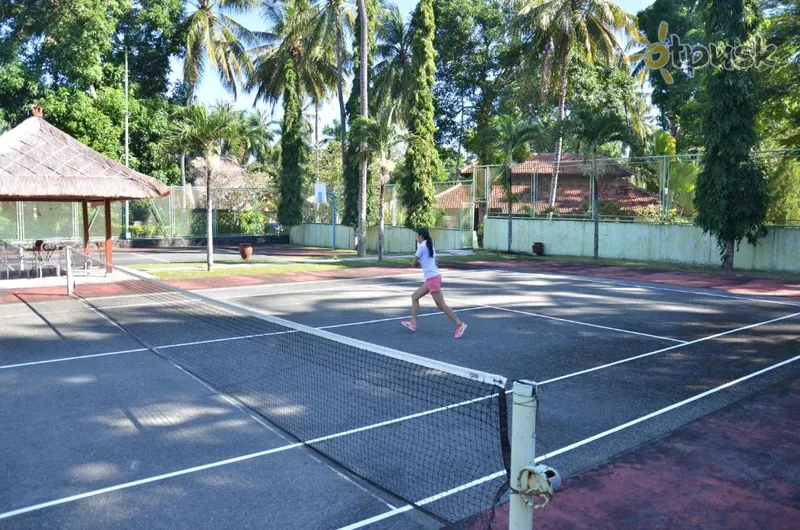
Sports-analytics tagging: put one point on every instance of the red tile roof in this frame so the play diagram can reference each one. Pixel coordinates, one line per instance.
(571, 164)
(573, 196)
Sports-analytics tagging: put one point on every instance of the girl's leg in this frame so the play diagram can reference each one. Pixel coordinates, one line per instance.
(419, 293)
(438, 297)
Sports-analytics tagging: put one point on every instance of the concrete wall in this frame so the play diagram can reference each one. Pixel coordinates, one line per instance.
(321, 235)
(397, 240)
(778, 251)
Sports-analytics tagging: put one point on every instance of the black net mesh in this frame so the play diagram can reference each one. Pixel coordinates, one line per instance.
(431, 434)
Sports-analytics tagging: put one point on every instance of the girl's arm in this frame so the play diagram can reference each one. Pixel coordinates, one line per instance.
(414, 262)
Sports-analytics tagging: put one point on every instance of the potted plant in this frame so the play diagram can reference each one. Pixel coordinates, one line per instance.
(245, 250)
(538, 248)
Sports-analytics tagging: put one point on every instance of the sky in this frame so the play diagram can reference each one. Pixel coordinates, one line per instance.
(210, 90)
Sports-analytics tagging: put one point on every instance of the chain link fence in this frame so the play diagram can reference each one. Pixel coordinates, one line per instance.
(656, 189)
(237, 211)
(453, 206)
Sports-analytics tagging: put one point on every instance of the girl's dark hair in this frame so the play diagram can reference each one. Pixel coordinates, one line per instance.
(428, 241)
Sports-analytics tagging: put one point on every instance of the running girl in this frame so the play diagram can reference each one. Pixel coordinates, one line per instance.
(426, 257)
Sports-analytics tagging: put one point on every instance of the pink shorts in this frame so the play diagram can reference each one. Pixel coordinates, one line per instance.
(434, 284)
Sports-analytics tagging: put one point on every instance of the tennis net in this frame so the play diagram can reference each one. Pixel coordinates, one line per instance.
(429, 433)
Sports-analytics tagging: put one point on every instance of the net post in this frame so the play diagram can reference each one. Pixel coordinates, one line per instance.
(70, 280)
(523, 450)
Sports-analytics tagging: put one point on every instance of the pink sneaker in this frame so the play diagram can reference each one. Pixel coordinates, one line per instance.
(409, 325)
(460, 330)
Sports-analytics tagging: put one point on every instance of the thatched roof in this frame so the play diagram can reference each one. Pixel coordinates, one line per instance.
(39, 162)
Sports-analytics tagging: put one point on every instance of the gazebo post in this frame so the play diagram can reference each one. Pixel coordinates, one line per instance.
(109, 254)
(85, 208)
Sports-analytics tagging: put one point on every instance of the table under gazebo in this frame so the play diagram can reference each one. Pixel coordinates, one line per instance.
(38, 162)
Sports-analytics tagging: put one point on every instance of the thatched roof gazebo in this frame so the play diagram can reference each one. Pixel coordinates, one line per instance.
(38, 162)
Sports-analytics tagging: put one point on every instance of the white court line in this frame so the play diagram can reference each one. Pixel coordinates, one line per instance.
(662, 350)
(63, 359)
(330, 280)
(538, 315)
(147, 256)
(650, 286)
(228, 461)
(376, 321)
(400, 510)
(585, 441)
(140, 482)
(156, 304)
(293, 292)
(224, 339)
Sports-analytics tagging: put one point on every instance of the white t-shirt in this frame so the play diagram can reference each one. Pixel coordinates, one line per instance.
(429, 268)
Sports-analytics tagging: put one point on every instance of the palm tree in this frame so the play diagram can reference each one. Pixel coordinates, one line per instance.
(568, 29)
(207, 132)
(292, 62)
(291, 39)
(178, 141)
(217, 38)
(591, 130)
(393, 74)
(509, 135)
(364, 83)
(336, 20)
(258, 132)
(379, 138)
(254, 136)
(637, 113)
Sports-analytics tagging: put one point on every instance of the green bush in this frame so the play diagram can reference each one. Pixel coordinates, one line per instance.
(252, 222)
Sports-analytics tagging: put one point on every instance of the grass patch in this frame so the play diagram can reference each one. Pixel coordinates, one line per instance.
(179, 271)
(231, 263)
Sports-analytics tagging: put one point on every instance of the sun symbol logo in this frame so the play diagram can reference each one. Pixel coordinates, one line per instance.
(654, 56)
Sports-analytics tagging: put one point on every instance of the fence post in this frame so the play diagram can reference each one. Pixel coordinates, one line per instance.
(663, 177)
(171, 205)
(70, 278)
(214, 214)
(20, 222)
(523, 451)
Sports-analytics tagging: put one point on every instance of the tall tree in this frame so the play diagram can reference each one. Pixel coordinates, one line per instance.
(422, 160)
(215, 38)
(731, 195)
(611, 90)
(153, 32)
(290, 65)
(364, 84)
(570, 29)
(780, 76)
(352, 169)
(290, 208)
(208, 132)
(508, 135)
(678, 102)
(379, 138)
(393, 80)
(336, 21)
(471, 43)
(591, 129)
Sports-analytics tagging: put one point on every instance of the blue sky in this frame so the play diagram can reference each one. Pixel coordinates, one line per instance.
(210, 90)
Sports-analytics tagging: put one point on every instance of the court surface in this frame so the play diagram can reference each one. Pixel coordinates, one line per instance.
(99, 432)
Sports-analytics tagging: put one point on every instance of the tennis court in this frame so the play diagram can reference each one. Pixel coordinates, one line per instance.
(138, 407)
